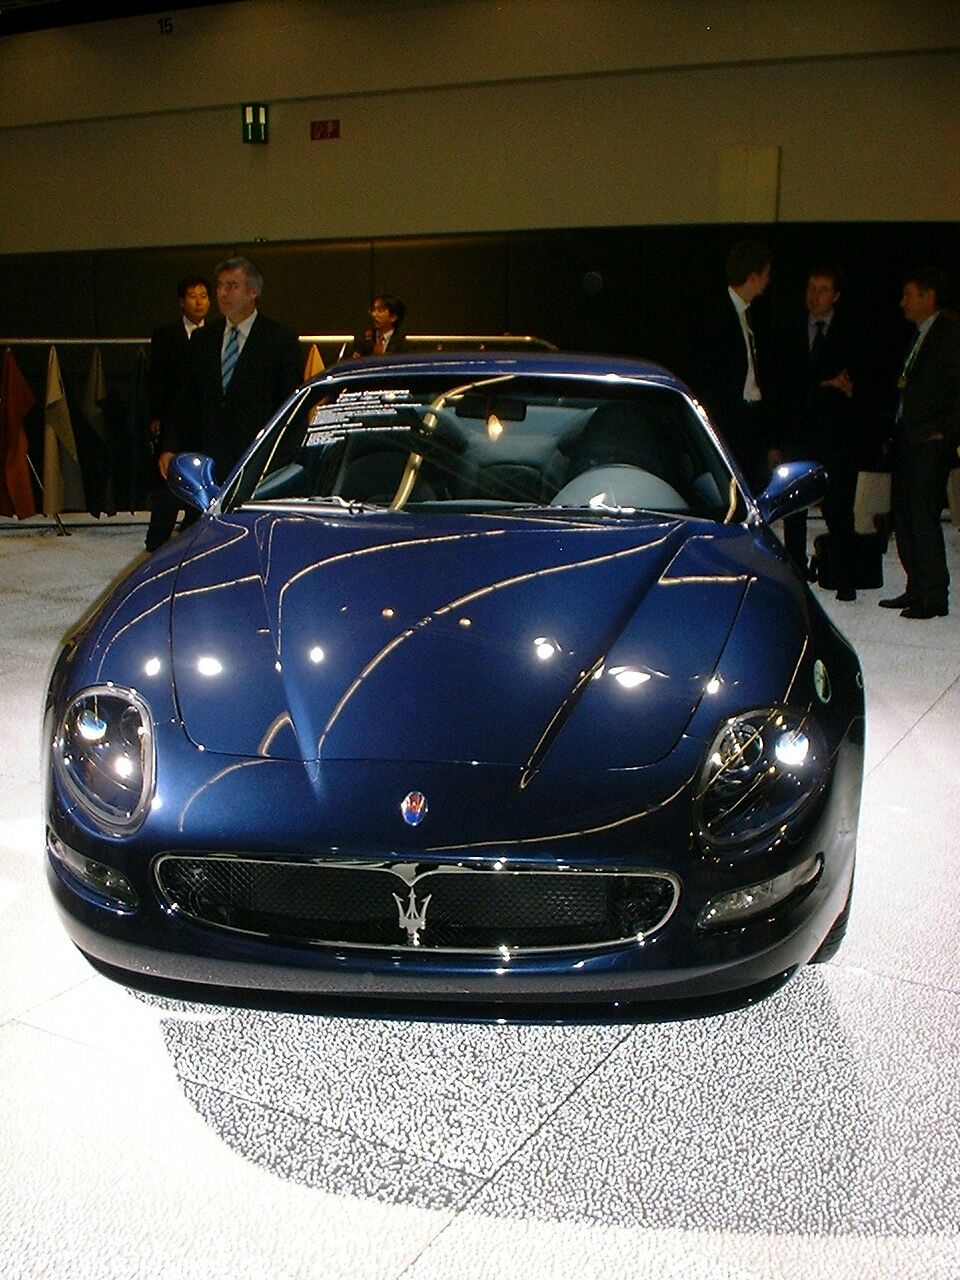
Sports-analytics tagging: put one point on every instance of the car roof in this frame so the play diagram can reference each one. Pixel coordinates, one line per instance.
(482, 364)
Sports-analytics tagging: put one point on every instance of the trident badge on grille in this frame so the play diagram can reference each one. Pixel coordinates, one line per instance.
(411, 918)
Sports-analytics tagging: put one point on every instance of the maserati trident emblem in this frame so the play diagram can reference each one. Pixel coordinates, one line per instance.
(412, 918)
(413, 806)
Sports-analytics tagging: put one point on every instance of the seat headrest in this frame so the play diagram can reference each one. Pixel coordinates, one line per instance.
(618, 431)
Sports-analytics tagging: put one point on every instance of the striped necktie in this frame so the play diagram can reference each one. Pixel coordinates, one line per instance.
(231, 354)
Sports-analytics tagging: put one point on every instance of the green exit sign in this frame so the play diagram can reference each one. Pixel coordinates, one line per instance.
(254, 116)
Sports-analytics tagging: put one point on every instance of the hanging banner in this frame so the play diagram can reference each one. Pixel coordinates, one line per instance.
(62, 480)
(16, 401)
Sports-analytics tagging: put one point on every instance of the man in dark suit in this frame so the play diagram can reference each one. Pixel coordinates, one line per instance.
(925, 441)
(239, 370)
(816, 419)
(385, 335)
(729, 378)
(168, 358)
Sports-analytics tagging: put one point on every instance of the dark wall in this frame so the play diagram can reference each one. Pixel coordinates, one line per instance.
(620, 290)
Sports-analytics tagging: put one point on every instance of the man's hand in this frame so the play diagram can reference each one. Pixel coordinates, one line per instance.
(841, 382)
(163, 463)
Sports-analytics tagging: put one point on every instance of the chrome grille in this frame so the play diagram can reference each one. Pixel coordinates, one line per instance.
(482, 908)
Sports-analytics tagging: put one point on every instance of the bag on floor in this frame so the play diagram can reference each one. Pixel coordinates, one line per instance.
(868, 549)
(872, 503)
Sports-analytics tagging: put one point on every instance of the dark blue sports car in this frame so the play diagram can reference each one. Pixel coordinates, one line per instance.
(482, 679)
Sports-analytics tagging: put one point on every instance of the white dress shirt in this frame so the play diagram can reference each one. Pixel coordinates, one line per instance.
(751, 390)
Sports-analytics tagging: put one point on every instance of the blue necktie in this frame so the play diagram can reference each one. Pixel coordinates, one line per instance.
(231, 354)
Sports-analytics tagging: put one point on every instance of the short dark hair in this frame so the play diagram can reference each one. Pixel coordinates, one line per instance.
(927, 278)
(746, 258)
(825, 273)
(190, 282)
(393, 305)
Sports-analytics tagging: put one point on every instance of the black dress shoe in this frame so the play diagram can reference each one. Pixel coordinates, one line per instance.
(924, 611)
(896, 602)
(848, 594)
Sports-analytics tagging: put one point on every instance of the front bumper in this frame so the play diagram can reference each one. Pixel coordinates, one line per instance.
(158, 948)
(678, 964)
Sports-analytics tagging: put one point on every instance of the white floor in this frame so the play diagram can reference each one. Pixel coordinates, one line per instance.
(814, 1136)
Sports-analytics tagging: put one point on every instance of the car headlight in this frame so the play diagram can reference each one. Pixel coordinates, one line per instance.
(104, 754)
(761, 770)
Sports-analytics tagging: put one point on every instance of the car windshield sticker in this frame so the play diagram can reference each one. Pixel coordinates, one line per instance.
(354, 411)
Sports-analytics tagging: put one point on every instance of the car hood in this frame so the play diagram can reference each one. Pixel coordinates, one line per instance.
(384, 637)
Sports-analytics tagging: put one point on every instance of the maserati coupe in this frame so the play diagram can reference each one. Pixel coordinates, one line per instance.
(483, 682)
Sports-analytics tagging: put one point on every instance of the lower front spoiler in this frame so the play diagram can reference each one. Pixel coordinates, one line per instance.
(540, 1009)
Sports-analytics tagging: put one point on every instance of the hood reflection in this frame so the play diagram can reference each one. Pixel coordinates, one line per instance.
(366, 652)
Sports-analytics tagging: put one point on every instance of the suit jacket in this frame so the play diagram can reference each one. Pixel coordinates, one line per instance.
(815, 422)
(363, 343)
(930, 401)
(168, 358)
(220, 423)
(722, 363)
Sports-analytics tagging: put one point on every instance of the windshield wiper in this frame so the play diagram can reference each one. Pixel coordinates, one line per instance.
(599, 508)
(352, 505)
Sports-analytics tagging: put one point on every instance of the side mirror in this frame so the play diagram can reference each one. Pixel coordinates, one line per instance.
(190, 476)
(793, 487)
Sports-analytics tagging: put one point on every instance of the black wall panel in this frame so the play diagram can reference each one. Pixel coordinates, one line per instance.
(46, 294)
(316, 287)
(583, 290)
(620, 290)
(135, 290)
(636, 291)
(450, 284)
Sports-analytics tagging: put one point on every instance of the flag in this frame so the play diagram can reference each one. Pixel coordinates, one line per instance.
(130, 450)
(62, 481)
(16, 401)
(94, 397)
(94, 394)
(314, 364)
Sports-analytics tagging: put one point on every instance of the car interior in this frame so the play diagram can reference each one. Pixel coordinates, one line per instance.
(482, 448)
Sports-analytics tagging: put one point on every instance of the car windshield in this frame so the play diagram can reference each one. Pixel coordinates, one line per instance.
(503, 444)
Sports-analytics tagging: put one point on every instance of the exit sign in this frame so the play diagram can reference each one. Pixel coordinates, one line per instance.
(324, 130)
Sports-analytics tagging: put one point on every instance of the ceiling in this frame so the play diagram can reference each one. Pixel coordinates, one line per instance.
(39, 15)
